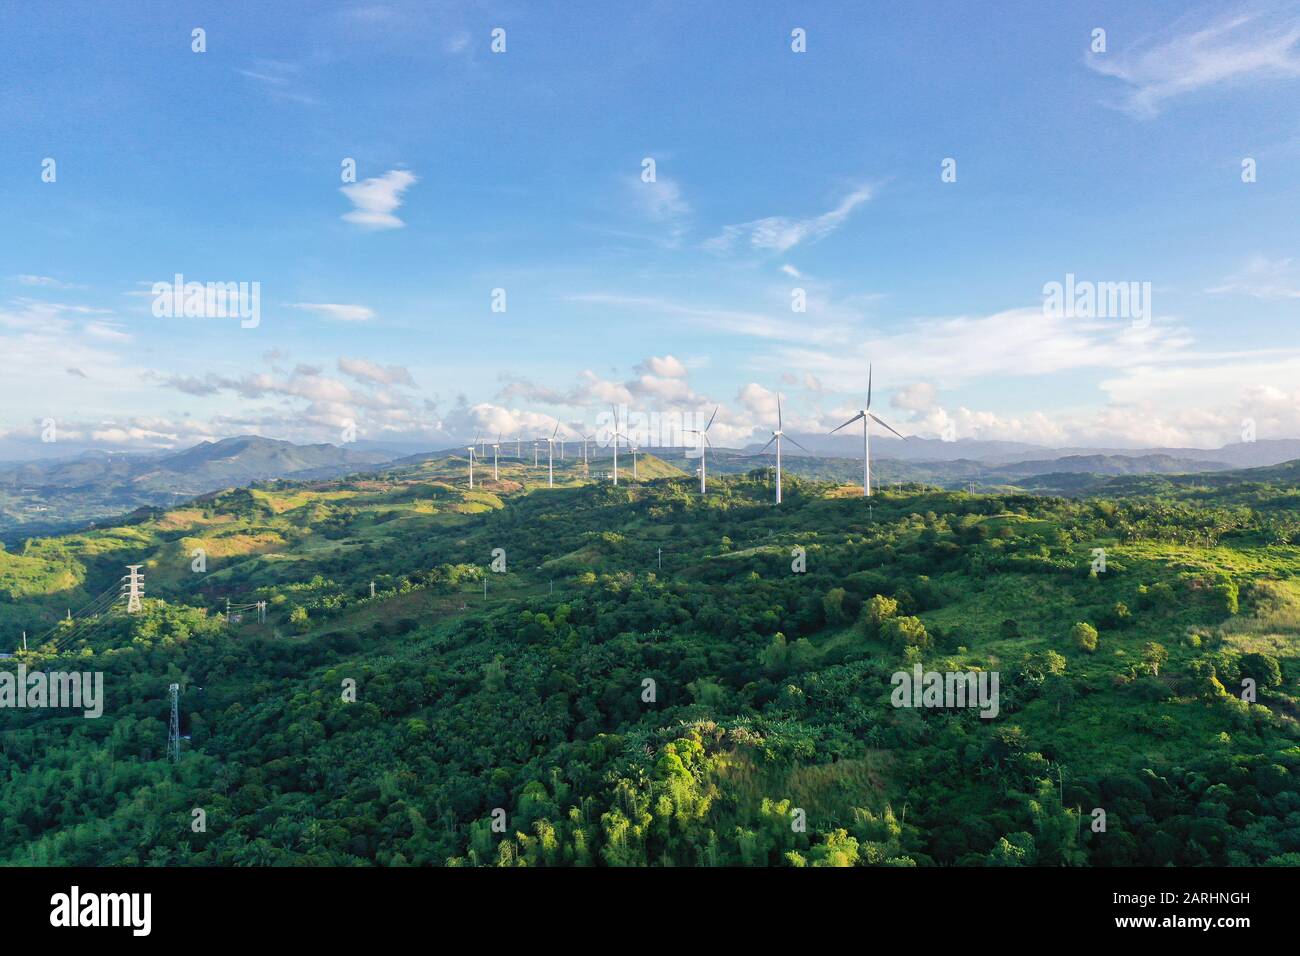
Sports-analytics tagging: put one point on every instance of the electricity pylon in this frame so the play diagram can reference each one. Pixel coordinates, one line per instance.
(174, 728)
(133, 588)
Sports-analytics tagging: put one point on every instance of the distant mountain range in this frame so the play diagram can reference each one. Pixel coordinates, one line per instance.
(37, 497)
(1237, 455)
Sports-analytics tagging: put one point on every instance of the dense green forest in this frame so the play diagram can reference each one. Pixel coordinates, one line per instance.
(662, 678)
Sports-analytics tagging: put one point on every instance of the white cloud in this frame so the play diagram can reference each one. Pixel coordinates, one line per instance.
(779, 233)
(375, 199)
(335, 310)
(807, 328)
(1263, 278)
(1234, 49)
(916, 397)
(1017, 342)
(364, 370)
(668, 366)
(44, 282)
(279, 80)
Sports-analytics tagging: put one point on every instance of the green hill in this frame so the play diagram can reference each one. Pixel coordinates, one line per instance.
(652, 676)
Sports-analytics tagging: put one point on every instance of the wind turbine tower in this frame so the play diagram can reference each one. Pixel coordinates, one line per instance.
(867, 416)
(550, 457)
(471, 463)
(705, 447)
(777, 435)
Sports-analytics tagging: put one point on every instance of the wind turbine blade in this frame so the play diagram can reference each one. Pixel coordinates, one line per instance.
(763, 449)
(779, 426)
(556, 432)
(846, 424)
(879, 422)
(868, 386)
(795, 443)
(712, 417)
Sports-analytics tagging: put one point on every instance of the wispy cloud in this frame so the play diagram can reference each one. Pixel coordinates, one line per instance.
(1263, 279)
(1234, 49)
(779, 233)
(755, 324)
(337, 310)
(375, 199)
(42, 282)
(280, 81)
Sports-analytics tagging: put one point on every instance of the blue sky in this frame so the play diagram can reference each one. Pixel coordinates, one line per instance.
(775, 171)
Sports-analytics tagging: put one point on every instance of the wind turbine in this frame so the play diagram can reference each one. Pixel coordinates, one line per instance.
(586, 468)
(519, 446)
(705, 447)
(496, 449)
(471, 463)
(776, 437)
(634, 450)
(867, 416)
(550, 457)
(536, 445)
(616, 438)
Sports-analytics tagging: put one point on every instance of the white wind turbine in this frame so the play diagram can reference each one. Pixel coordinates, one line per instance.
(586, 468)
(519, 445)
(705, 447)
(616, 438)
(867, 416)
(776, 437)
(471, 463)
(550, 457)
(536, 445)
(496, 450)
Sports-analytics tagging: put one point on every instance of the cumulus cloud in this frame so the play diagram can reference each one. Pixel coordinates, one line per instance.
(376, 199)
(668, 366)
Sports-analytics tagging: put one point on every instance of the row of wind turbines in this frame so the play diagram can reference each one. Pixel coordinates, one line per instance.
(864, 415)
(551, 442)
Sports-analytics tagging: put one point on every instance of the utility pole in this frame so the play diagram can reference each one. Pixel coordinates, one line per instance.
(485, 587)
(174, 728)
(24, 640)
(661, 559)
(133, 588)
(372, 590)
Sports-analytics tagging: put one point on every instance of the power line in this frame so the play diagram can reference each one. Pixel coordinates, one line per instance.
(97, 603)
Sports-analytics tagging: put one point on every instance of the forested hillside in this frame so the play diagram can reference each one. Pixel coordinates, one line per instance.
(659, 677)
